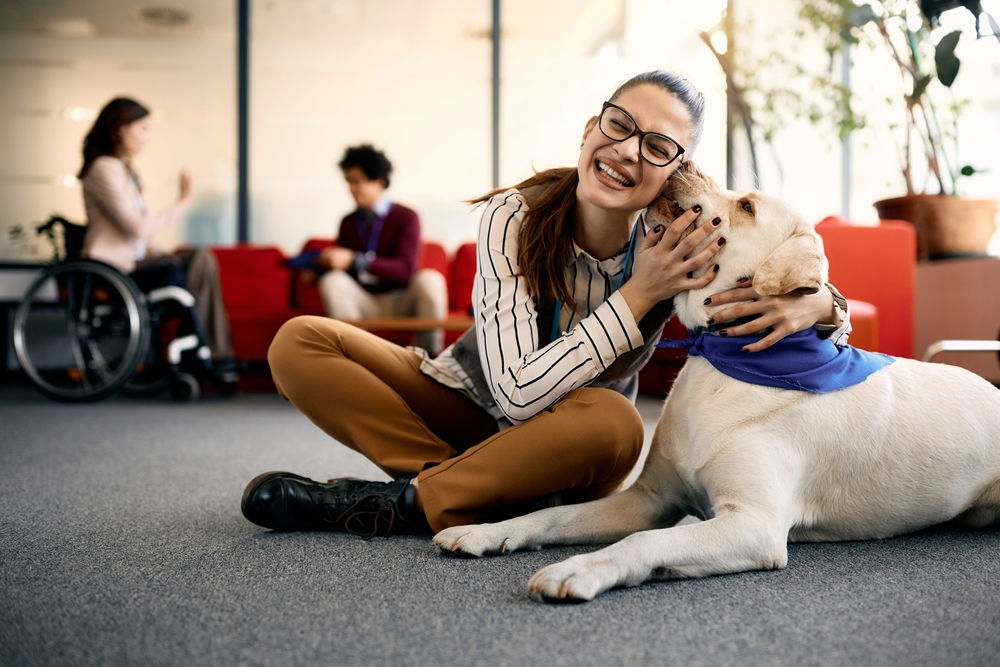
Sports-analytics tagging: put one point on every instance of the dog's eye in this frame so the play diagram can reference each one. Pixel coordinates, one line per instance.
(746, 206)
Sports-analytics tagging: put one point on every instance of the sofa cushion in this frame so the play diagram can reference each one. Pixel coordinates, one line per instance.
(254, 279)
(463, 276)
(876, 264)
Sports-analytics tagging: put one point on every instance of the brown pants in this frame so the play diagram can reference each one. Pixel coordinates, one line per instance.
(370, 395)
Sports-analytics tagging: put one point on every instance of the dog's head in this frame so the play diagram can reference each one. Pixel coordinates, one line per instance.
(764, 239)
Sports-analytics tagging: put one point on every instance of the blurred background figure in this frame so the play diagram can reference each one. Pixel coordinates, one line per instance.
(120, 228)
(372, 271)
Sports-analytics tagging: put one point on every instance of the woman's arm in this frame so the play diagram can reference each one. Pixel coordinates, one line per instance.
(524, 379)
(107, 183)
(827, 310)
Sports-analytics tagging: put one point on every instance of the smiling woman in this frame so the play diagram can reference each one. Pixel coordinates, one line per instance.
(533, 405)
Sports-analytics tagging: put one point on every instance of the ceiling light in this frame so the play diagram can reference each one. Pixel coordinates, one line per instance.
(163, 16)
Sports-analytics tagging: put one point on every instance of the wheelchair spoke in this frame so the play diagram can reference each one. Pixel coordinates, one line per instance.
(98, 363)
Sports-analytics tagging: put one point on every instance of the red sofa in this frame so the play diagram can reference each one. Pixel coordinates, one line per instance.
(261, 292)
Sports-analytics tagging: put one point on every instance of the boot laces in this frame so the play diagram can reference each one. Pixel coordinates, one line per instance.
(362, 510)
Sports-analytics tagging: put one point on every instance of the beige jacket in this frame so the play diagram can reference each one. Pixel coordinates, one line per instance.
(119, 229)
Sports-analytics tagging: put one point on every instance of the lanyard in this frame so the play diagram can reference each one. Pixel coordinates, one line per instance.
(373, 232)
(626, 272)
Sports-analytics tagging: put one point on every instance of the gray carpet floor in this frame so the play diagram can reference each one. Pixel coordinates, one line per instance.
(121, 542)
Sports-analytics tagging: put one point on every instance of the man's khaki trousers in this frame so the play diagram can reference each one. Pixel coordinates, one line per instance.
(370, 395)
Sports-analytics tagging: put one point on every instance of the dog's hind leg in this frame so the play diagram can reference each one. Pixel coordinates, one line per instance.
(595, 522)
(985, 512)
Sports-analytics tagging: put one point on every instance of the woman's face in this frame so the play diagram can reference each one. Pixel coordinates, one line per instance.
(613, 176)
(133, 137)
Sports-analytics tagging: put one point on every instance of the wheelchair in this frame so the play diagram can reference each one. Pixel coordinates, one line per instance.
(84, 330)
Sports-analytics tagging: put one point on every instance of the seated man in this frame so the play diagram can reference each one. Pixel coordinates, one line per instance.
(372, 271)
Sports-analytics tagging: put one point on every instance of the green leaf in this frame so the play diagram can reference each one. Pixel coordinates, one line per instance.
(945, 60)
(920, 86)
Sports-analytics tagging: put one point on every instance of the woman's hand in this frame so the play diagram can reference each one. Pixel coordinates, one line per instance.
(184, 185)
(665, 265)
(784, 315)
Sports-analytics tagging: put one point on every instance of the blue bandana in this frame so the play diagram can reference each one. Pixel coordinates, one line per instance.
(801, 361)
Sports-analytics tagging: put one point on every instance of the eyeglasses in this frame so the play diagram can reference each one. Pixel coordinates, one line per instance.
(657, 149)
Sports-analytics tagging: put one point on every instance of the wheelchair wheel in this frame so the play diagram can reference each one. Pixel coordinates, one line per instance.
(81, 331)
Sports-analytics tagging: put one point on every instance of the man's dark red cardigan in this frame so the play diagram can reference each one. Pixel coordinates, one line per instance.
(397, 251)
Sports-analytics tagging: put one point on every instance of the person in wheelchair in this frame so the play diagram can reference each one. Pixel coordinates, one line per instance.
(120, 228)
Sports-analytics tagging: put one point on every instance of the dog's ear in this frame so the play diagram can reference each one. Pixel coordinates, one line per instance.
(798, 265)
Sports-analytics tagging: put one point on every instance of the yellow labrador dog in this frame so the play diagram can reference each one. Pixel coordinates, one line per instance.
(909, 446)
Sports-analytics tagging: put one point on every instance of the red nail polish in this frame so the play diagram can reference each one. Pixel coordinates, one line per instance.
(707, 301)
(690, 274)
(716, 269)
(696, 208)
(717, 221)
(722, 242)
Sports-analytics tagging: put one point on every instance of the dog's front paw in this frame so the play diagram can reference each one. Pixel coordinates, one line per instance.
(578, 578)
(473, 541)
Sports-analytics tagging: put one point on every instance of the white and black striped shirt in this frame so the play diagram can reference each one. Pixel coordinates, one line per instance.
(525, 380)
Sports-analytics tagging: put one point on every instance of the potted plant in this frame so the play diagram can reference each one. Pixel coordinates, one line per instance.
(907, 33)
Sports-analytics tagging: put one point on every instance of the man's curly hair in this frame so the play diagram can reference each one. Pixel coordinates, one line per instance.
(373, 163)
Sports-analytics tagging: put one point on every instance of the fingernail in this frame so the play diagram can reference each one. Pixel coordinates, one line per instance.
(690, 274)
(722, 242)
(707, 301)
(743, 279)
(723, 332)
(657, 229)
(717, 221)
(696, 208)
(743, 349)
(716, 269)
(710, 321)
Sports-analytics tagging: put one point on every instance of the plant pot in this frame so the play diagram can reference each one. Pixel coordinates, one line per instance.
(947, 226)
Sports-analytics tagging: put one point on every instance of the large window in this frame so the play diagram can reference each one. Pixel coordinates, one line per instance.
(411, 78)
(60, 62)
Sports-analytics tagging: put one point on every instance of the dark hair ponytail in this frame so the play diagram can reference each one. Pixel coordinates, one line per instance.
(104, 136)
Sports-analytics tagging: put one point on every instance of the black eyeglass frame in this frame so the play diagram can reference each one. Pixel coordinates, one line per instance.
(637, 131)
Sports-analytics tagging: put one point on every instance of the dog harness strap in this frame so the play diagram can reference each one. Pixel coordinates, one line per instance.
(802, 361)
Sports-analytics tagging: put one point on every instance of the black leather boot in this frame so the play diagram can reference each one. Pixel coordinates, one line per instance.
(284, 501)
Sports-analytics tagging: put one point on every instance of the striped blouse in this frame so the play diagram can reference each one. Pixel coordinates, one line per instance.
(524, 379)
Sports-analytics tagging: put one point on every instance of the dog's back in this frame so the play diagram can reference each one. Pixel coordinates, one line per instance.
(913, 445)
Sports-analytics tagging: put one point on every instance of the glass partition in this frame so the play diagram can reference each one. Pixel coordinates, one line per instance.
(413, 79)
(60, 62)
